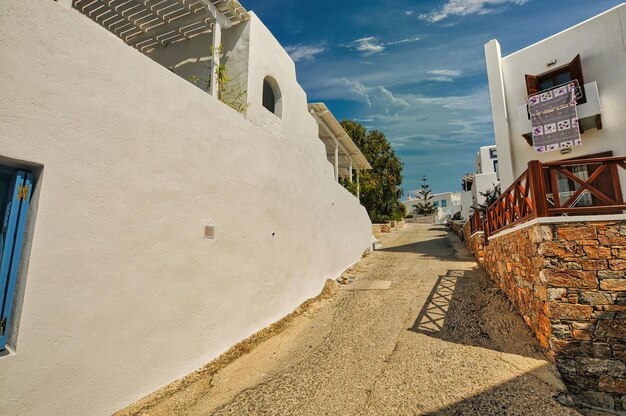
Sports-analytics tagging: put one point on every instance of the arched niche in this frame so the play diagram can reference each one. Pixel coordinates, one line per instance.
(272, 98)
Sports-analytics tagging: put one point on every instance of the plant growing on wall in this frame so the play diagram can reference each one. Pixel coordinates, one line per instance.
(380, 187)
(491, 196)
(229, 91)
(424, 207)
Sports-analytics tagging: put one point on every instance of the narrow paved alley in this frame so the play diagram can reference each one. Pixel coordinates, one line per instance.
(419, 330)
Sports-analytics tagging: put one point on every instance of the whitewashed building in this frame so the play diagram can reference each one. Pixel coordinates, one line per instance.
(591, 55)
(484, 178)
(345, 157)
(486, 174)
(125, 183)
(446, 203)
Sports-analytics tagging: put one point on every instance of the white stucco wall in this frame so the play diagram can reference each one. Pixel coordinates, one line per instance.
(482, 183)
(602, 45)
(466, 204)
(123, 294)
(484, 162)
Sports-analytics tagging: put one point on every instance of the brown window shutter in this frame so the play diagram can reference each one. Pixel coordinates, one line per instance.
(576, 71)
(532, 84)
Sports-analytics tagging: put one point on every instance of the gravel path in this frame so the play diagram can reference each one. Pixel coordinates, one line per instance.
(420, 331)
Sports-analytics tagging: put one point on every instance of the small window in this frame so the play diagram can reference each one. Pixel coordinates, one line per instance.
(436, 204)
(15, 193)
(493, 153)
(556, 77)
(272, 99)
(444, 203)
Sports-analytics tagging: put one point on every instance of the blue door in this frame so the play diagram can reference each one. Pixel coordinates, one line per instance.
(15, 188)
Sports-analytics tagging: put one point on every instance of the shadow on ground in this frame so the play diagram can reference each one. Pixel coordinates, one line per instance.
(464, 307)
(512, 398)
(435, 248)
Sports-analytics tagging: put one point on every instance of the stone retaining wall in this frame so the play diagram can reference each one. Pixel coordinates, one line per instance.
(457, 227)
(421, 220)
(568, 280)
(475, 243)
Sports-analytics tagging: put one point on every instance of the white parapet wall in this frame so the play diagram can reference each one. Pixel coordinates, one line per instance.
(120, 292)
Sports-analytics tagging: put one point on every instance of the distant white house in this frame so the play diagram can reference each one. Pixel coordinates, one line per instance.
(486, 174)
(123, 182)
(592, 56)
(447, 204)
(484, 178)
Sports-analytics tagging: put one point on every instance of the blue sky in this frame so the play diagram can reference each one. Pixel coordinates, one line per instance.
(414, 68)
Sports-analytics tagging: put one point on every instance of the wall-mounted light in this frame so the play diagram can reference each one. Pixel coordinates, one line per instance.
(551, 63)
(566, 150)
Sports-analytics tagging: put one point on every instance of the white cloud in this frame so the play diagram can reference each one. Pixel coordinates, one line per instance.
(467, 7)
(303, 52)
(407, 40)
(444, 75)
(409, 12)
(369, 45)
(379, 99)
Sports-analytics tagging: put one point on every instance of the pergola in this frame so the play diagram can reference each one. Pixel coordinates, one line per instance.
(151, 24)
(340, 149)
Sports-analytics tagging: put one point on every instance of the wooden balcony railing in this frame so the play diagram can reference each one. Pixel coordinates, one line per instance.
(569, 187)
(477, 220)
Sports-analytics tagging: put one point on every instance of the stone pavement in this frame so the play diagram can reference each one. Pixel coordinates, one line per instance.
(418, 331)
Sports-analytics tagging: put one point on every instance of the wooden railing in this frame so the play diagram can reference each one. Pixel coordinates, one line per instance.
(477, 220)
(592, 187)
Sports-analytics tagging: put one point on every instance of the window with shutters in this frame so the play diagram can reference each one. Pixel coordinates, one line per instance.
(15, 194)
(556, 77)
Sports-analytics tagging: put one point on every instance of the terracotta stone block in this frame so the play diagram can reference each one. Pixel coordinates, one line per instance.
(617, 285)
(556, 249)
(594, 264)
(597, 252)
(614, 308)
(617, 264)
(587, 242)
(619, 253)
(612, 241)
(568, 311)
(611, 328)
(585, 326)
(613, 385)
(581, 335)
(570, 278)
(575, 233)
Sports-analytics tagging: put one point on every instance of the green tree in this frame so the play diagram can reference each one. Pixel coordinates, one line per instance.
(491, 195)
(380, 187)
(424, 207)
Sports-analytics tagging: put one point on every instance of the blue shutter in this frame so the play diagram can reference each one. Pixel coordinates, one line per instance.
(12, 238)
